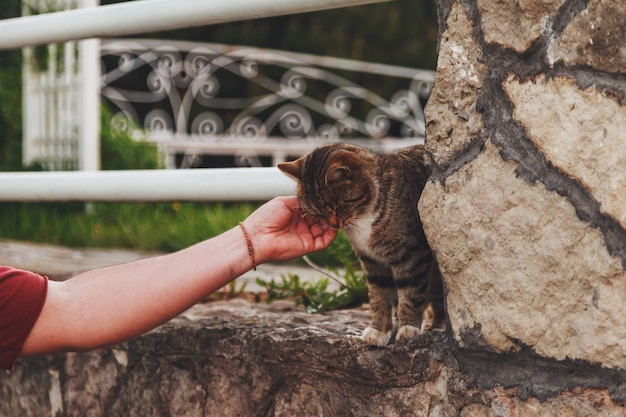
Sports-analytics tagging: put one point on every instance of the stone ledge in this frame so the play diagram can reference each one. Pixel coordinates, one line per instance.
(238, 358)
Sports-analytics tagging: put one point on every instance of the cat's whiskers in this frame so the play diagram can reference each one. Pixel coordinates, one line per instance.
(300, 210)
(303, 211)
(353, 224)
(323, 225)
(348, 225)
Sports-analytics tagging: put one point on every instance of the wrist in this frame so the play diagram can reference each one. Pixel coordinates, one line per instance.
(249, 245)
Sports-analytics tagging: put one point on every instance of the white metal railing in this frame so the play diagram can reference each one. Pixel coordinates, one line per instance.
(140, 17)
(61, 100)
(285, 103)
(148, 16)
(212, 184)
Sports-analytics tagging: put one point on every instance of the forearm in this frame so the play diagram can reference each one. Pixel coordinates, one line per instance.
(109, 305)
(113, 304)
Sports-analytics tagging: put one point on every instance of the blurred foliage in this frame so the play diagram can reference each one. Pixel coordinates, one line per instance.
(314, 296)
(10, 98)
(10, 110)
(162, 227)
(118, 150)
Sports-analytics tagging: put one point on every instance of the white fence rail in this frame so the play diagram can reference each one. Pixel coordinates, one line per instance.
(140, 17)
(148, 16)
(213, 184)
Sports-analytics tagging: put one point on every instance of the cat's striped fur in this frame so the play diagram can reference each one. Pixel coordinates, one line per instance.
(374, 199)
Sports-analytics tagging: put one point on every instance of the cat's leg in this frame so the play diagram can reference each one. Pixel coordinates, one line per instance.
(420, 310)
(412, 282)
(382, 296)
(410, 312)
(381, 300)
(417, 311)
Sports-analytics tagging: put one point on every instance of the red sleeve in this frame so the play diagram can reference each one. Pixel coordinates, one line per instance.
(22, 295)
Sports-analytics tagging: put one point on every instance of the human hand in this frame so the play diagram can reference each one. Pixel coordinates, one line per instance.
(279, 231)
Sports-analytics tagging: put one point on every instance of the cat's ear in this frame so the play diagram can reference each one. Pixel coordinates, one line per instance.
(337, 172)
(342, 167)
(292, 169)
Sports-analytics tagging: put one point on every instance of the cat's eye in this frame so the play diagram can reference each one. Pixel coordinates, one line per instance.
(354, 200)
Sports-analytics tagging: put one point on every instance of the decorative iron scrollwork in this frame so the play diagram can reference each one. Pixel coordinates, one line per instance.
(211, 94)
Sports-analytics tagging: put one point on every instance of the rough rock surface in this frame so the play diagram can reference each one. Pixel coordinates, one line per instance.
(451, 116)
(241, 359)
(594, 37)
(515, 24)
(526, 211)
(562, 121)
(552, 304)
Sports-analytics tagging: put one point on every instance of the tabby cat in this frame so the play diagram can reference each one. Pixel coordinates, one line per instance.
(373, 198)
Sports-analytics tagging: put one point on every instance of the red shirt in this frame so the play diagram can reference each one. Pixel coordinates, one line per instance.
(22, 295)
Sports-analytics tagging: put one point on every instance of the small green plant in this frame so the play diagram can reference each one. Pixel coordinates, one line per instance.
(314, 296)
(229, 292)
(306, 294)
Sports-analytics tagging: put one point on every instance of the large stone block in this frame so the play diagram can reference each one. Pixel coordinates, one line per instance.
(521, 269)
(526, 210)
(581, 131)
(242, 359)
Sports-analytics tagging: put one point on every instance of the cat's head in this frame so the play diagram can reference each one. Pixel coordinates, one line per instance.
(336, 182)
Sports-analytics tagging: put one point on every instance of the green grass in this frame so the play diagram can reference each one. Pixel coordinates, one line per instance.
(162, 227)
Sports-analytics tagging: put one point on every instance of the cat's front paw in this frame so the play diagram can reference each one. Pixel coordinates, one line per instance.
(375, 337)
(407, 332)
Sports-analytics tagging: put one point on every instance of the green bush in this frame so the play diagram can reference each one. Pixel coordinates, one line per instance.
(118, 150)
(10, 110)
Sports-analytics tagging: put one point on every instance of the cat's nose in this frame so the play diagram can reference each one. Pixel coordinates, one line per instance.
(334, 222)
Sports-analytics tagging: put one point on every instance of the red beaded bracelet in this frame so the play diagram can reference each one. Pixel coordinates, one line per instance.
(249, 243)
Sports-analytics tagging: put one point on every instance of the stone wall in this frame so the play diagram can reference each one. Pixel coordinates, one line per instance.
(242, 359)
(527, 209)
